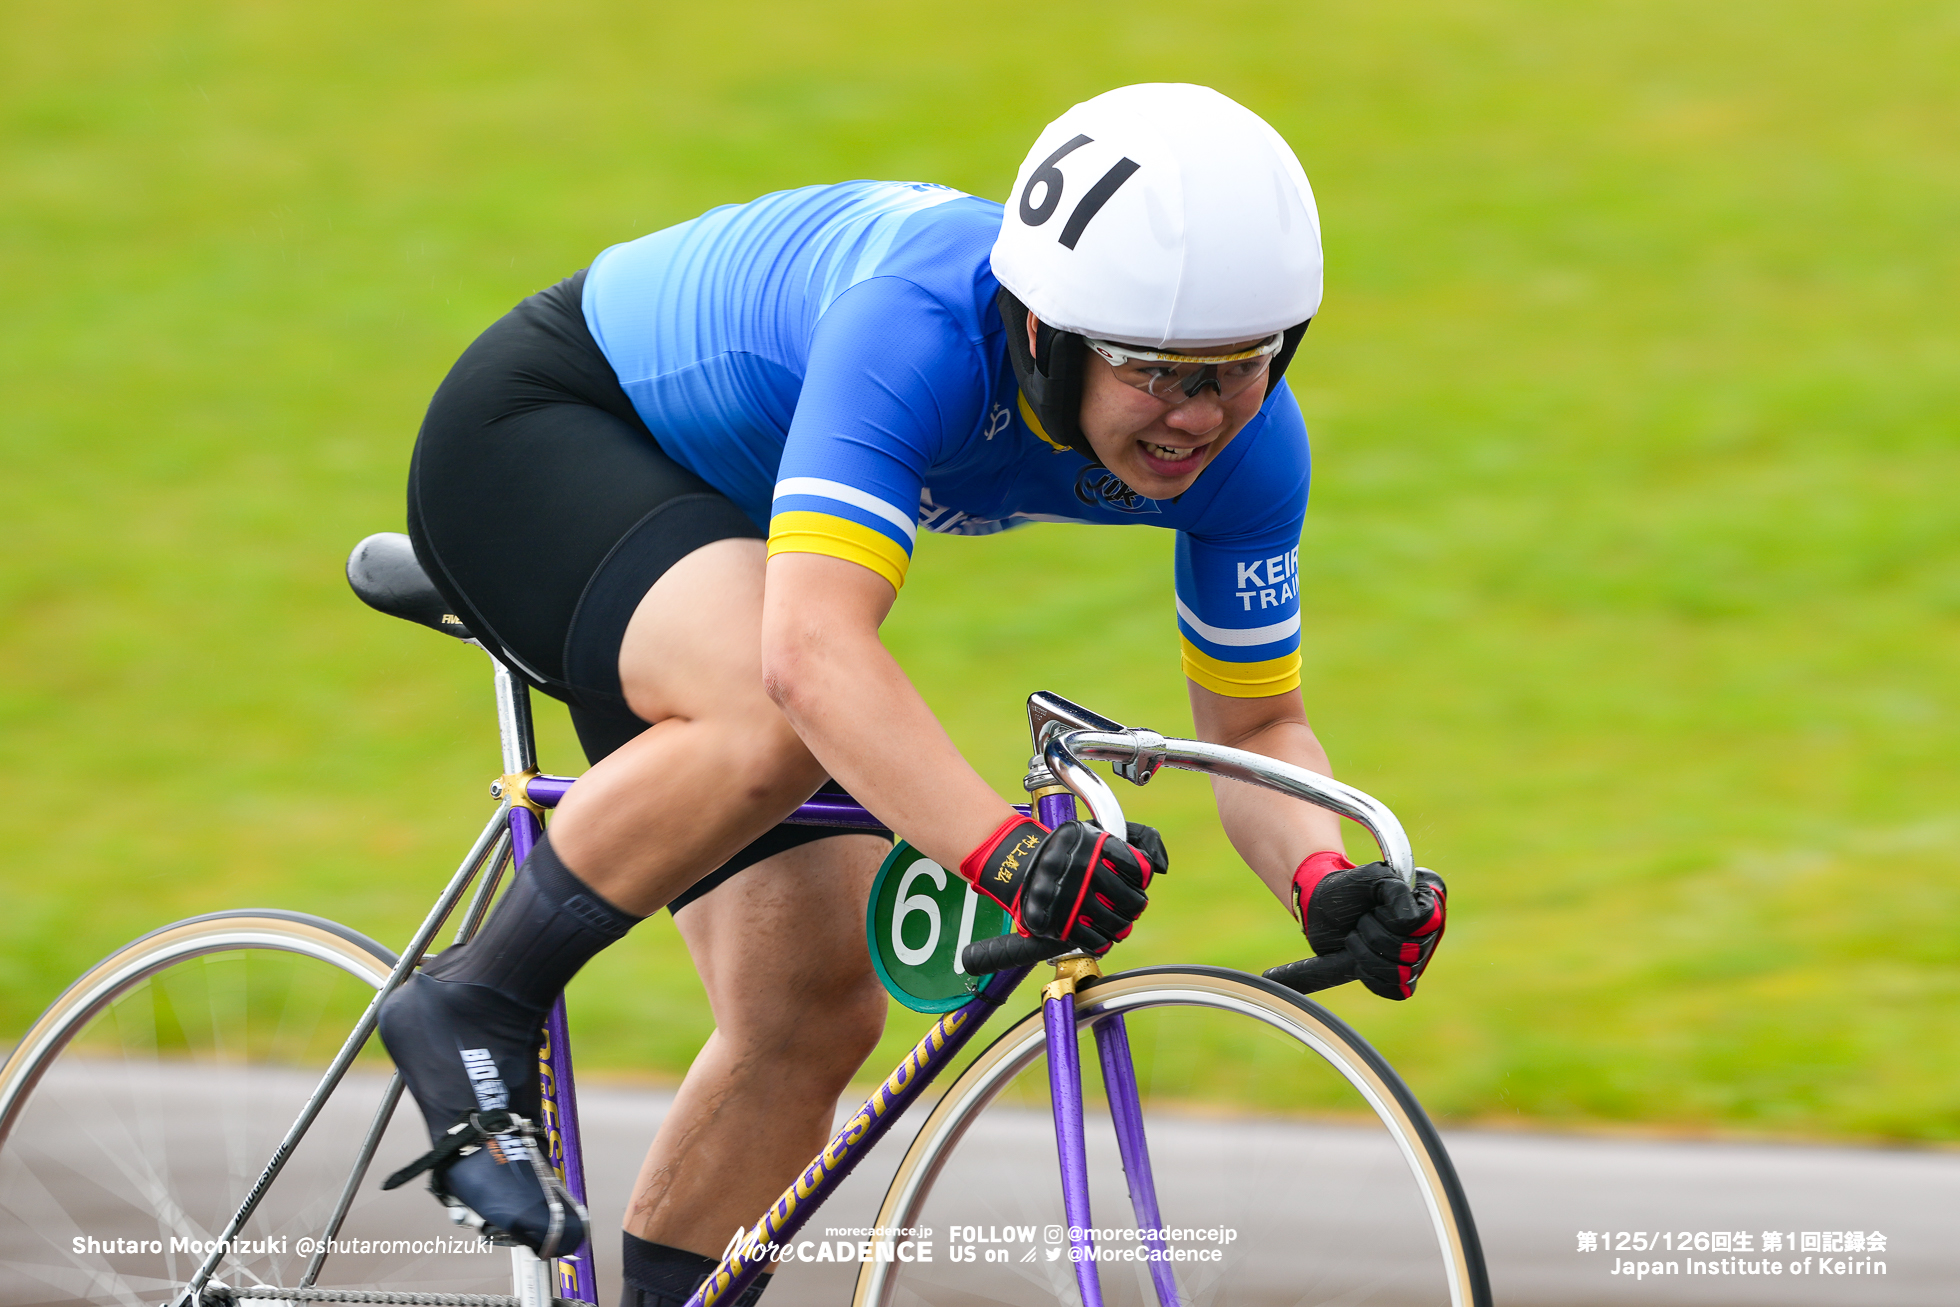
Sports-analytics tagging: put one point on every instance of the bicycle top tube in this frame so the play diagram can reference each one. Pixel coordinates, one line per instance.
(821, 810)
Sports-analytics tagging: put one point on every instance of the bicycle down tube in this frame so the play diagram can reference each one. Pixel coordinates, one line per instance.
(1053, 804)
(529, 793)
(900, 1089)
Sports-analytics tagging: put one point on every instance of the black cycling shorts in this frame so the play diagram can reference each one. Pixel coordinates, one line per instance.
(544, 510)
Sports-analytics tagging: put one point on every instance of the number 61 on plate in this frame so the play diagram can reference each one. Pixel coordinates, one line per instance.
(921, 916)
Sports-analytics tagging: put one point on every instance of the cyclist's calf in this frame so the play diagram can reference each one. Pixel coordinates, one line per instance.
(781, 952)
(797, 1009)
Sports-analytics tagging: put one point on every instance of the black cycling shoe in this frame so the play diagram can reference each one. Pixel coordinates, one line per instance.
(469, 1056)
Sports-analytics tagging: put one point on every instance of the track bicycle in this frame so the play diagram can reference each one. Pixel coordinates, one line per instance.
(194, 1121)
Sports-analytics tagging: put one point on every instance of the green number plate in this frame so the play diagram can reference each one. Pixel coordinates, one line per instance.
(921, 917)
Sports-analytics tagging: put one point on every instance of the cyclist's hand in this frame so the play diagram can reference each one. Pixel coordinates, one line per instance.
(1364, 924)
(1073, 883)
(1145, 840)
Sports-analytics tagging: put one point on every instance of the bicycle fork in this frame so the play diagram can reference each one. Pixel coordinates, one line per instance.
(1125, 1110)
(1126, 1114)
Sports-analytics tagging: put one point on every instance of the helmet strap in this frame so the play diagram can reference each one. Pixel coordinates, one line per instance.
(1050, 375)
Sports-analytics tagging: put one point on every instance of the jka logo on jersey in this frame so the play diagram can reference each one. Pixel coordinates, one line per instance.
(1099, 485)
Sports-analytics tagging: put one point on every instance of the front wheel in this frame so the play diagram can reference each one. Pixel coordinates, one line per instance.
(1289, 1164)
(137, 1113)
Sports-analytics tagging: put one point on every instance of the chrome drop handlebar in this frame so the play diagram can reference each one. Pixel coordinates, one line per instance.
(1139, 753)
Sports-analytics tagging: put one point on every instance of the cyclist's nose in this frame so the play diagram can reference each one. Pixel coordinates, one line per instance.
(1199, 414)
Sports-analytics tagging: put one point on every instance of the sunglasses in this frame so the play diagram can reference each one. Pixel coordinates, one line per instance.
(1174, 378)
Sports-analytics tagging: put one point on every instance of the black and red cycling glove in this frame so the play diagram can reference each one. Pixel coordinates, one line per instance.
(1073, 883)
(1364, 923)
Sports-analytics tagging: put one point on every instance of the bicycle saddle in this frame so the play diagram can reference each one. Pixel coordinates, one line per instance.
(386, 575)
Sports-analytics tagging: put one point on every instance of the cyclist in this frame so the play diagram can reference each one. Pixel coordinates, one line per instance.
(680, 492)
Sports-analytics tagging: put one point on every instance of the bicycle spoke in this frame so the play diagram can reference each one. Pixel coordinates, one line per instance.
(159, 1105)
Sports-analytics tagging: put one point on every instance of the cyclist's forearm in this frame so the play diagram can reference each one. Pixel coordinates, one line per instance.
(1272, 832)
(859, 713)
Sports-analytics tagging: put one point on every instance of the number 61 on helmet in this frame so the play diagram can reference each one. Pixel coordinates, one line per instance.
(1154, 217)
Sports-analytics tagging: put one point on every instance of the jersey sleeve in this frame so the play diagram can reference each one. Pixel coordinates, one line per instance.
(1238, 586)
(892, 380)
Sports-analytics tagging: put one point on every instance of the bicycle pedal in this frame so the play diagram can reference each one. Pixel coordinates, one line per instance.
(461, 1213)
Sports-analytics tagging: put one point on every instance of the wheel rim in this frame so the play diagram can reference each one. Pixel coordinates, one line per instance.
(1425, 1202)
(115, 975)
(144, 1104)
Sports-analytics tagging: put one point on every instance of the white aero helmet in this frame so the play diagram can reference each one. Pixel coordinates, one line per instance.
(1162, 215)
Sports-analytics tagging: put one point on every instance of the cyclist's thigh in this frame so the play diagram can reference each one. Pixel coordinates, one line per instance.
(693, 648)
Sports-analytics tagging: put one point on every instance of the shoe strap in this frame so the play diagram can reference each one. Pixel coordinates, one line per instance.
(461, 1139)
(470, 1134)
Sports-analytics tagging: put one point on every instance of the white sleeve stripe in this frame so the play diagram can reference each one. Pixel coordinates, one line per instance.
(843, 494)
(1227, 636)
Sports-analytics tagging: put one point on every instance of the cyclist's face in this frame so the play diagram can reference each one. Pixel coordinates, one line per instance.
(1158, 448)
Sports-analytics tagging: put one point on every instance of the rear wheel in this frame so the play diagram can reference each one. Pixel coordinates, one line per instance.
(139, 1110)
(1291, 1166)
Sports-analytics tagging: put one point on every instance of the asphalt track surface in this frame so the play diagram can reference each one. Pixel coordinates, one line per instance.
(1533, 1195)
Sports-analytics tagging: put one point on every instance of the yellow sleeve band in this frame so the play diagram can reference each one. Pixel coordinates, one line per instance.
(1241, 680)
(820, 533)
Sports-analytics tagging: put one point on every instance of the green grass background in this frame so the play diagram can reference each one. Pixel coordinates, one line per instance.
(1631, 575)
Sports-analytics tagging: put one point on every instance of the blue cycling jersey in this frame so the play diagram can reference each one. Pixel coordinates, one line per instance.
(832, 360)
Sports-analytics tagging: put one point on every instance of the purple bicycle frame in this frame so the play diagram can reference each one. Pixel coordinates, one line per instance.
(899, 1091)
(564, 1148)
(559, 1105)
(1126, 1113)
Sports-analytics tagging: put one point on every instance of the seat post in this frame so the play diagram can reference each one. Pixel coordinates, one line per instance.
(514, 730)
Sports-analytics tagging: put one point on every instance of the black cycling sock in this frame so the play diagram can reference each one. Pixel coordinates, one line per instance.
(658, 1275)
(464, 1034)
(547, 925)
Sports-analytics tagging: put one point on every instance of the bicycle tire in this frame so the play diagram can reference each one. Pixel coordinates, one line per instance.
(145, 1101)
(1343, 1234)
